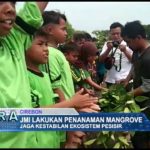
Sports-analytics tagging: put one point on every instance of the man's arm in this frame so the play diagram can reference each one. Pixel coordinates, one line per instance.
(144, 88)
(128, 55)
(137, 92)
(105, 51)
(130, 75)
(126, 51)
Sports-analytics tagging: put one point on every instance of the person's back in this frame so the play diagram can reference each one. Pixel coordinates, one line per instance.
(13, 42)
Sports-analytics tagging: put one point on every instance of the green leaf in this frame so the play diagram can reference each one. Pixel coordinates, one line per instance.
(123, 140)
(130, 102)
(118, 109)
(134, 108)
(99, 142)
(126, 110)
(104, 92)
(141, 98)
(117, 145)
(116, 97)
(104, 103)
(89, 142)
(129, 96)
(102, 100)
(101, 139)
(105, 132)
(132, 133)
(112, 137)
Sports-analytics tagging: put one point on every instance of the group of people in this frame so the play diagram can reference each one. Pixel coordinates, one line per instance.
(130, 49)
(39, 69)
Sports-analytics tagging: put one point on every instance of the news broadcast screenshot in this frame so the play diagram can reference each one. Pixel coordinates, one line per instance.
(74, 75)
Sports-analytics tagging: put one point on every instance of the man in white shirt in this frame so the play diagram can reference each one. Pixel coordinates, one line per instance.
(121, 53)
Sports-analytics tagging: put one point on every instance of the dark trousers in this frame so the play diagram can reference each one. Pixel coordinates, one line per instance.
(141, 140)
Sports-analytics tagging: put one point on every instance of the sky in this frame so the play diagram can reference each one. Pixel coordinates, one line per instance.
(90, 16)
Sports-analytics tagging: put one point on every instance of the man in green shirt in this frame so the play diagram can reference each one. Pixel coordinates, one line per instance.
(14, 39)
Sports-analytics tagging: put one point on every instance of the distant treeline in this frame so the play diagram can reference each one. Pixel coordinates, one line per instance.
(101, 35)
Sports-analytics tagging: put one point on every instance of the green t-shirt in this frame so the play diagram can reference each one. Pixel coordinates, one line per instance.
(14, 84)
(60, 72)
(44, 96)
(79, 75)
(87, 74)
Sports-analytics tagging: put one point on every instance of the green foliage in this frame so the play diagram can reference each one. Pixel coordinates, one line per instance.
(70, 31)
(116, 99)
(101, 37)
(141, 98)
(89, 142)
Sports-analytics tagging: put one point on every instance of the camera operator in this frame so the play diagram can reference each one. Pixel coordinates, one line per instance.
(121, 56)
